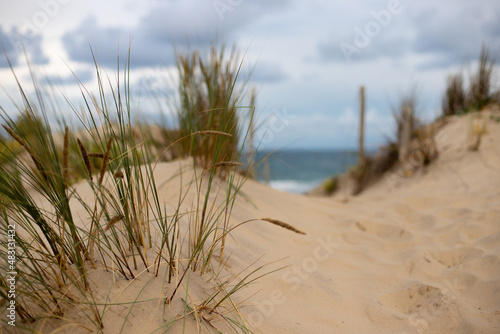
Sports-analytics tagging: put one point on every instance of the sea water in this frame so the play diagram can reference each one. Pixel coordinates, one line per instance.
(299, 171)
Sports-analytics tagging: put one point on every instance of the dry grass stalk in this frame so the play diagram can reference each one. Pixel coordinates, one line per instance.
(65, 157)
(213, 133)
(426, 145)
(282, 224)
(454, 99)
(474, 146)
(227, 164)
(481, 81)
(112, 222)
(476, 133)
(96, 155)
(105, 160)
(85, 156)
(30, 152)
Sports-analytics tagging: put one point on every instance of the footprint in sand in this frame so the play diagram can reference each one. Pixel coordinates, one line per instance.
(415, 298)
(458, 256)
(384, 231)
(426, 307)
(421, 222)
(486, 267)
(402, 209)
(455, 214)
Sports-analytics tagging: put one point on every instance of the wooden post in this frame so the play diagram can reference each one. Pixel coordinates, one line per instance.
(361, 159)
(267, 171)
(406, 132)
(251, 148)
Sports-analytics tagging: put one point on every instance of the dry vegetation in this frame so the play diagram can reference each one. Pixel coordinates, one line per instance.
(459, 99)
(413, 146)
(128, 229)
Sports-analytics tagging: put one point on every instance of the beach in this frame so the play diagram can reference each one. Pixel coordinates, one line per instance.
(414, 254)
(417, 256)
(249, 167)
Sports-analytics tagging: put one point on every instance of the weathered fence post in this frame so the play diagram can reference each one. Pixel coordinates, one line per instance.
(361, 126)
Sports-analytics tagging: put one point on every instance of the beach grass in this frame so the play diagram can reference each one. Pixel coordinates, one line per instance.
(127, 230)
(454, 98)
(479, 92)
(210, 96)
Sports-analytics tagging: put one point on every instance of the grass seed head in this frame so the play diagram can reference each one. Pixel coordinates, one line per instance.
(21, 142)
(283, 224)
(227, 164)
(86, 159)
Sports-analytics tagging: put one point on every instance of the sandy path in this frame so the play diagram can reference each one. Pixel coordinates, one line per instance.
(419, 256)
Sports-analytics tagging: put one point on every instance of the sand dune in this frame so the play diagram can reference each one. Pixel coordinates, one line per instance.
(420, 255)
(417, 254)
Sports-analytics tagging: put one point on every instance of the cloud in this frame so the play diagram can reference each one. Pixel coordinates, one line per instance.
(8, 48)
(445, 34)
(266, 72)
(451, 35)
(172, 25)
(81, 76)
(15, 45)
(107, 44)
(365, 32)
(347, 50)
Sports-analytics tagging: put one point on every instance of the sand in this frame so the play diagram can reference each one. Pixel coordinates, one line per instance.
(410, 255)
(413, 254)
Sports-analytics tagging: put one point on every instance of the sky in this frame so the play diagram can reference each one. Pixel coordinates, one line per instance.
(310, 57)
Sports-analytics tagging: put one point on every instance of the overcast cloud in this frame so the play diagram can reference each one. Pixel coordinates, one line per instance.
(310, 56)
(14, 46)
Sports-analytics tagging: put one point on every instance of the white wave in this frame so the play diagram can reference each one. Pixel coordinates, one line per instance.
(294, 186)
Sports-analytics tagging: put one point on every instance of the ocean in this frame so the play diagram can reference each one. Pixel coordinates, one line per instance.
(299, 171)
